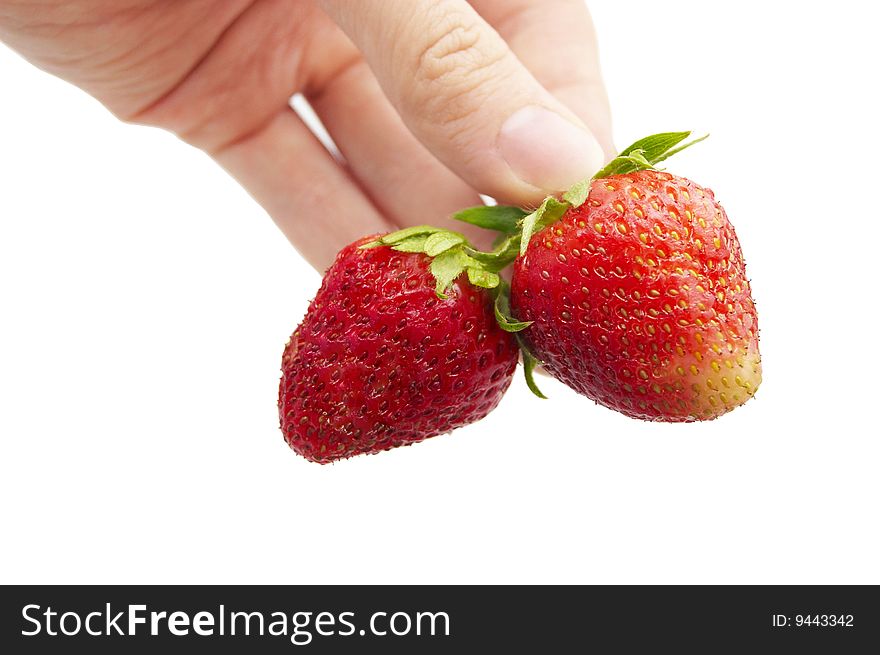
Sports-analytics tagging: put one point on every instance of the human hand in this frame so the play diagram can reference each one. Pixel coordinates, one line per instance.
(429, 102)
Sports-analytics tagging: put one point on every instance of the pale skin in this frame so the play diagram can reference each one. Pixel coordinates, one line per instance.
(429, 102)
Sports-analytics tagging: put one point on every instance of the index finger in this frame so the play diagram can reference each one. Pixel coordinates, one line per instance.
(569, 66)
(467, 97)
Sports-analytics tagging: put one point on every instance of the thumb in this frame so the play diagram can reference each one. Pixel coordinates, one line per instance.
(468, 99)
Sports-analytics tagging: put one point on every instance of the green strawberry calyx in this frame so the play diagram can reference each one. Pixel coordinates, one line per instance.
(450, 254)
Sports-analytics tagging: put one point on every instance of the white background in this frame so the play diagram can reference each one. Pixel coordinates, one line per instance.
(145, 301)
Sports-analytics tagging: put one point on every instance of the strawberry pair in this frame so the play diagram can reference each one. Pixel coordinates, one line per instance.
(630, 289)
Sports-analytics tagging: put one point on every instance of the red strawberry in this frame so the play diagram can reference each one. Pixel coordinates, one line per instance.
(637, 293)
(631, 289)
(395, 348)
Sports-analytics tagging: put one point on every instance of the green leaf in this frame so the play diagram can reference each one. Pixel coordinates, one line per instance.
(656, 145)
(497, 241)
(502, 311)
(577, 194)
(638, 157)
(528, 228)
(669, 153)
(447, 266)
(482, 278)
(623, 164)
(550, 211)
(504, 252)
(400, 235)
(414, 243)
(509, 325)
(500, 218)
(529, 364)
(645, 153)
(449, 253)
(442, 241)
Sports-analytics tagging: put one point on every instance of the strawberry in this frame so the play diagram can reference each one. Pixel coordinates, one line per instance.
(632, 290)
(398, 346)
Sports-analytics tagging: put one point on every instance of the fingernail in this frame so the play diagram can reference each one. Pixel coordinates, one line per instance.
(545, 150)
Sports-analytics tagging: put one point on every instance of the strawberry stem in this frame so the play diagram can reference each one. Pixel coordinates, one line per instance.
(502, 310)
(530, 362)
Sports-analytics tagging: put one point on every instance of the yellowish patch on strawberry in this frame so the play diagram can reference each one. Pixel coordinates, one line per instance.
(723, 382)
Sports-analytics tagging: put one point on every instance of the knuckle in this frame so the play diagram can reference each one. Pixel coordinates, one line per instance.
(451, 49)
(455, 71)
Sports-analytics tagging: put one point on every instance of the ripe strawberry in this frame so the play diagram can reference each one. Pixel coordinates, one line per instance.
(636, 291)
(396, 347)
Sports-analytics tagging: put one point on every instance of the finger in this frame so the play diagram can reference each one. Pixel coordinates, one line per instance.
(463, 94)
(308, 195)
(569, 68)
(403, 180)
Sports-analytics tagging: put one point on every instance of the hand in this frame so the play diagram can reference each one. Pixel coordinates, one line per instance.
(429, 102)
